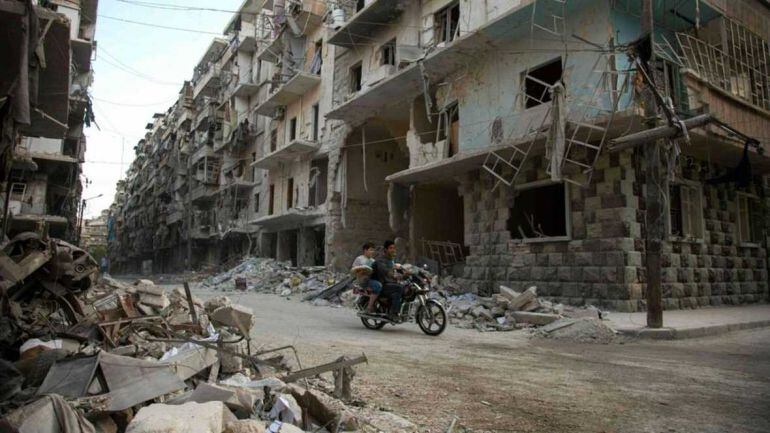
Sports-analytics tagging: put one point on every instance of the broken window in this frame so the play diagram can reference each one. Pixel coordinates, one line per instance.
(318, 177)
(449, 128)
(18, 191)
(539, 212)
(447, 23)
(538, 81)
(292, 129)
(388, 53)
(686, 210)
(356, 75)
(273, 140)
(271, 200)
(749, 219)
(316, 120)
(256, 203)
(290, 193)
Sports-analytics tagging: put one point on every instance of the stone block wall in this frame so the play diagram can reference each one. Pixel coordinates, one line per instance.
(603, 262)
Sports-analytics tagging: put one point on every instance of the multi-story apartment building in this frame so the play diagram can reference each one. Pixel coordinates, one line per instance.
(43, 185)
(486, 136)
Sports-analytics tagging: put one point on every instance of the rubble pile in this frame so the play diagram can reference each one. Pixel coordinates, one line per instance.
(107, 357)
(267, 275)
(509, 310)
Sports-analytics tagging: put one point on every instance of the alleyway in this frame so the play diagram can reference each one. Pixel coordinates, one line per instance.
(505, 382)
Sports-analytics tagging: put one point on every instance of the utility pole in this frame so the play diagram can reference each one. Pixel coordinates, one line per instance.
(656, 182)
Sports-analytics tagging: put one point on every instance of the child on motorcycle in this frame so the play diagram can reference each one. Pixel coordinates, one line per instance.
(362, 269)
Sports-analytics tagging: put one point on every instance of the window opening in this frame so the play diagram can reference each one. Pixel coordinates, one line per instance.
(539, 212)
(538, 81)
(355, 78)
(447, 23)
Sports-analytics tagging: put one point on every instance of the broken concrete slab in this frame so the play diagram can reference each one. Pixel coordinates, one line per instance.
(559, 324)
(155, 301)
(235, 316)
(525, 298)
(49, 414)
(245, 426)
(234, 398)
(191, 360)
(537, 319)
(509, 293)
(211, 417)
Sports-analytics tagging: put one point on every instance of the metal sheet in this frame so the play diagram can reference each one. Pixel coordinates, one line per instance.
(70, 377)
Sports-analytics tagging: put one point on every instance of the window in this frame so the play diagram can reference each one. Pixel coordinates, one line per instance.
(537, 83)
(355, 78)
(293, 129)
(273, 140)
(686, 210)
(449, 128)
(447, 23)
(316, 120)
(290, 193)
(256, 203)
(271, 200)
(258, 76)
(388, 53)
(318, 59)
(360, 4)
(749, 219)
(540, 211)
(18, 190)
(319, 170)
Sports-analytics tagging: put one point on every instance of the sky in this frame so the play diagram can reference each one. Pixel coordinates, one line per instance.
(139, 71)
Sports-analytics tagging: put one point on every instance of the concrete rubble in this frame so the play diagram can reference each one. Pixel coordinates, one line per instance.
(140, 358)
(507, 310)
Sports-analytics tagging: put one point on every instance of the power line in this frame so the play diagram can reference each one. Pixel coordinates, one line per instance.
(159, 26)
(123, 104)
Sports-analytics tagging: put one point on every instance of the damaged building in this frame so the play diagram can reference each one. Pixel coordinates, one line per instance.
(46, 76)
(490, 140)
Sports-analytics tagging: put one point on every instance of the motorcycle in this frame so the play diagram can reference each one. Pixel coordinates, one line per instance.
(429, 314)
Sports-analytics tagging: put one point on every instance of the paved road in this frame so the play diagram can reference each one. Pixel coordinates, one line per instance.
(507, 382)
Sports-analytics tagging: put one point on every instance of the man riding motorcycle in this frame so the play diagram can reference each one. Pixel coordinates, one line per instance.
(384, 271)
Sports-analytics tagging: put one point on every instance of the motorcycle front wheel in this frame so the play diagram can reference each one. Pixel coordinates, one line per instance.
(431, 318)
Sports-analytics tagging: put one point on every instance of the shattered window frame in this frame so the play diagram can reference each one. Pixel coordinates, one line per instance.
(540, 184)
(447, 23)
(356, 73)
(388, 53)
(538, 84)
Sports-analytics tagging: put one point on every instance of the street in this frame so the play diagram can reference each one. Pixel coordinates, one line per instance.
(509, 382)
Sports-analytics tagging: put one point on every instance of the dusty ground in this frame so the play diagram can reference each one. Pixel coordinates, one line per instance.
(507, 382)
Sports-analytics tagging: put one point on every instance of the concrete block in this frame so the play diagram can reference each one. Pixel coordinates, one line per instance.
(211, 417)
(537, 319)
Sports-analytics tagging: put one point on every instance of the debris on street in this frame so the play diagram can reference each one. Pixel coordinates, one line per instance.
(83, 354)
(507, 310)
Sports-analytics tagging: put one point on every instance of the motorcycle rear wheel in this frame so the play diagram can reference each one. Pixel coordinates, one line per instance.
(371, 323)
(431, 318)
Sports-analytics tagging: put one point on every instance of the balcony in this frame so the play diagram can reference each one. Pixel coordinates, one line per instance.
(306, 14)
(49, 118)
(288, 153)
(208, 82)
(203, 152)
(273, 50)
(204, 193)
(444, 60)
(291, 217)
(246, 88)
(82, 50)
(240, 186)
(360, 28)
(247, 37)
(289, 92)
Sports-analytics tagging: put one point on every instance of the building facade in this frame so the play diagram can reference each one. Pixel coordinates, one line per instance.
(45, 137)
(485, 139)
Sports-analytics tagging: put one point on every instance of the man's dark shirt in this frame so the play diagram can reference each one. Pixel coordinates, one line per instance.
(384, 270)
